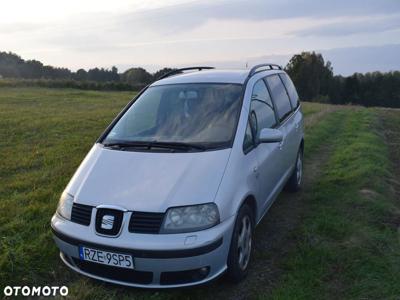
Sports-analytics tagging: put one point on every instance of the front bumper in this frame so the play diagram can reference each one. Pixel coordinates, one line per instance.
(161, 260)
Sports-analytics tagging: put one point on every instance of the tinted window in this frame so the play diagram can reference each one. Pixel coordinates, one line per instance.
(261, 107)
(294, 97)
(279, 95)
(189, 113)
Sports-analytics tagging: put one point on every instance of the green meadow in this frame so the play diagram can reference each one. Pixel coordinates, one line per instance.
(338, 238)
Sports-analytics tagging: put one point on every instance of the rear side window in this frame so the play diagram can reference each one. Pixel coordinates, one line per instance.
(280, 96)
(291, 89)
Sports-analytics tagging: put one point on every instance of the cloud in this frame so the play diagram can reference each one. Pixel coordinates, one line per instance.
(345, 61)
(172, 19)
(180, 32)
(20, 27)
(350, 27)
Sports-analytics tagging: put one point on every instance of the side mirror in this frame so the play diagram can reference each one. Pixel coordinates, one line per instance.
(269, 135)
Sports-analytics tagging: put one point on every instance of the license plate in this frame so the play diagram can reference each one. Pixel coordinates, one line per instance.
(106, 258)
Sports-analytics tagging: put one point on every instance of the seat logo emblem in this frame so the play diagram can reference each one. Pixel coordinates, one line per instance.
(107, 222)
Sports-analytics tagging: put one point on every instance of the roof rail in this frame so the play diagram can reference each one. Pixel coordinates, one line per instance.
(271, 67)
(179, 71)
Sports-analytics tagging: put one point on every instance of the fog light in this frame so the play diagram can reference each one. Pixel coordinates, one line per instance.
(203, 271)
(181, 277)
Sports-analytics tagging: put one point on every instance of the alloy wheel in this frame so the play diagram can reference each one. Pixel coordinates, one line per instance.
(244, 242)
(299, 168)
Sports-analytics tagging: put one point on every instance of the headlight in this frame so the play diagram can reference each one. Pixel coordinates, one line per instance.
(190, 218)
(64, 208)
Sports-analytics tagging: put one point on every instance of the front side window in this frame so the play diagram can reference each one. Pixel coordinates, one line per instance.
(261, 108)
(203, 114)
(280, 96)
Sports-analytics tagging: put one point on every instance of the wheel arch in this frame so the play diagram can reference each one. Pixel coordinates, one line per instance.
(251, 201)
(302, 145)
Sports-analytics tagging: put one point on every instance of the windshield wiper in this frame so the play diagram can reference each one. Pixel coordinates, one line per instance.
(154, 144)
(126, 144)
(177, 145)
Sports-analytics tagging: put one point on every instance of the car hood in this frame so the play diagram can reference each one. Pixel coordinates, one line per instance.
(147, 181)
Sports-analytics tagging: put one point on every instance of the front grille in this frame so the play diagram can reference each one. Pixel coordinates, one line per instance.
(81, 214)
(145, 222)
(113, 273)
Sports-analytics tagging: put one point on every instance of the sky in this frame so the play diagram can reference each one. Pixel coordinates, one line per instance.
(355, 35)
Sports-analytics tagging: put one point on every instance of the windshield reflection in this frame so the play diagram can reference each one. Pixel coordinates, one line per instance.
(186, 113)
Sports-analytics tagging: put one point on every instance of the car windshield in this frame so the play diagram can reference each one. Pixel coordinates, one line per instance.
(199, 114)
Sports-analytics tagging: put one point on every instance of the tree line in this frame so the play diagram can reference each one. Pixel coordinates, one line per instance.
(13, 66)
(315, 81)
(312, 76)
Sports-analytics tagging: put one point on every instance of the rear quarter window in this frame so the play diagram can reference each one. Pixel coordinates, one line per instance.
(291, 89)
(280, 96)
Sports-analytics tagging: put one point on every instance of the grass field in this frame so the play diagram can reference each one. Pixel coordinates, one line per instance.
(337, 238)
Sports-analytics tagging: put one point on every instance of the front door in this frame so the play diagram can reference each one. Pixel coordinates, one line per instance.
(269, 155)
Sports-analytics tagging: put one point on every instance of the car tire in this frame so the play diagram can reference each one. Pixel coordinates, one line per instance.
(241, 245)
(295, 180)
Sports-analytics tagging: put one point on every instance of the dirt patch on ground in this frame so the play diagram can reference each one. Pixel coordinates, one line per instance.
(315, 118)
(390, 120)
(390, 129)
(368, 193)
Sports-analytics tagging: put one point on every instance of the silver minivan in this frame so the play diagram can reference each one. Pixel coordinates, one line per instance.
(171, 192)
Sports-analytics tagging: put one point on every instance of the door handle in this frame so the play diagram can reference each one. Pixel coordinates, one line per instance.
(297, 126)
(255, 171)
